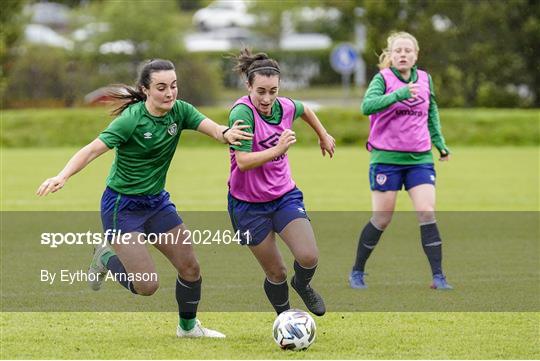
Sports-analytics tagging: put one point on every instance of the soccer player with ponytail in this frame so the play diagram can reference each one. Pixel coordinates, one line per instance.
(263, 198)
(145, 135)
(404, 120)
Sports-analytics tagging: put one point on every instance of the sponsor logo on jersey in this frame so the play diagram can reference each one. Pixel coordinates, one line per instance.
(173, 129)
(381, 179)
(270, 142)
(412, 102)
(147, 135)
(417, 113)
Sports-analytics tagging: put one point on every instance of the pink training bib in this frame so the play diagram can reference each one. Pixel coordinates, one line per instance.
(403, 126)
(273, 179)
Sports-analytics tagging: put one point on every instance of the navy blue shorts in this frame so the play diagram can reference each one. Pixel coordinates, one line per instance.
(254, 221)
(131, 213)
(392, 177)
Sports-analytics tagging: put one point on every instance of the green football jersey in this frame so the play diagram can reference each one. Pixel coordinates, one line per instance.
(145, 145)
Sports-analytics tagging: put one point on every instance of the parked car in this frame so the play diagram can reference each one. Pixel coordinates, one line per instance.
(118, 47)
(89, 30)
(48, 13)
(202, 42)
(305, 41)
(221, 40)
(318, 14)
(43, 35)
(222, 14)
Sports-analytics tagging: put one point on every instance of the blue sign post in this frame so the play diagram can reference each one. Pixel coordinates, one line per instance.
(343, 60)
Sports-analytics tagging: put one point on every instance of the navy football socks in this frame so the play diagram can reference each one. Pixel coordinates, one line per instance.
(278, 295)
(368, 240)
(116, 267)
(188, 295)
(432, 244)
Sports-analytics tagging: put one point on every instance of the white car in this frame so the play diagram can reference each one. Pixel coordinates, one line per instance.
(89, 30)
(43, 35)
(118, 47)
(202, 42)
(220, 40)
(223, 14)
(305, 41)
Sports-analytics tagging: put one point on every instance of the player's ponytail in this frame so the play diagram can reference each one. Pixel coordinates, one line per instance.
(250, 64)
(385, 61)
(127, 95)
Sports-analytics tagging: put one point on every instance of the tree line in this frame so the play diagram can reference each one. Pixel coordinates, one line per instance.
(479, 52)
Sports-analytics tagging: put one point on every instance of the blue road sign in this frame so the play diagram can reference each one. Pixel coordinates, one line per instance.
(343, 59)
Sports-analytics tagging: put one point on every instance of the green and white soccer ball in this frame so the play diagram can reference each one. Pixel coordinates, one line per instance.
(294, 330)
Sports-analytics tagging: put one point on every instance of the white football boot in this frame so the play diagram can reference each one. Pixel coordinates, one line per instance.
(97, 269)
(198, 331)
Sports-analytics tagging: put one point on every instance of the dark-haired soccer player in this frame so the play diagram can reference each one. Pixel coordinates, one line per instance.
(263, 198)
(145, 135)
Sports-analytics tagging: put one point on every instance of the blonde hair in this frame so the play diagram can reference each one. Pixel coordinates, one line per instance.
(384, 59)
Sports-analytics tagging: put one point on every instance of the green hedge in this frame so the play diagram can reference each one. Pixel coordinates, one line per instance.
(63, 78)
(76, 127)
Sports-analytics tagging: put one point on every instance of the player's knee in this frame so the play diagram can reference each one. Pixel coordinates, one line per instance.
(308, 260)
(426, 215)
(277, 274)
(381, 220)
(146, 288)
(190, 270)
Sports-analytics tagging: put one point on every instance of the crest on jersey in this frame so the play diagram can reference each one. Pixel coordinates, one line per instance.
(173, 129)
(381, 179)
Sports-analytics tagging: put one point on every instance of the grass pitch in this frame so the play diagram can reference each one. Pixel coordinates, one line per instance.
(477, 179)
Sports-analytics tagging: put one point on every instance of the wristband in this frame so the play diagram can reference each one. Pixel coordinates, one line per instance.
(225, 131)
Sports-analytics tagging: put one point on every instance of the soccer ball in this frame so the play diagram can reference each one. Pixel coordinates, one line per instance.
(294, 330)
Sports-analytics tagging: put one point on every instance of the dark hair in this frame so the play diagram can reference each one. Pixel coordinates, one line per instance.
(128, 95)
(250, 64)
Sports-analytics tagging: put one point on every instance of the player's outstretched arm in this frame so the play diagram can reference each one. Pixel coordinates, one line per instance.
(80, 160)
(223, 134)
(326, 141)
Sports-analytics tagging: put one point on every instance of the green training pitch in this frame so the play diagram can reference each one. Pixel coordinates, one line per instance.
(481, 181)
